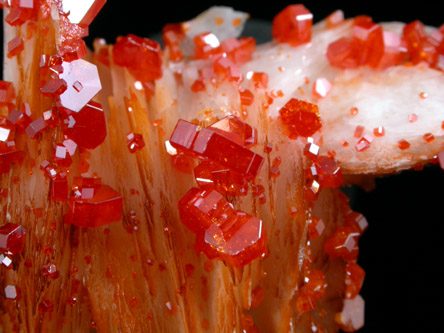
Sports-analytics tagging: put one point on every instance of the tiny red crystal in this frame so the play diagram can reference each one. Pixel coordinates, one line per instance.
(134, 142)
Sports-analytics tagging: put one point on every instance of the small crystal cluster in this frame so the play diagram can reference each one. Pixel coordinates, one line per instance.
(371, 46)
(226, 167)
(71, 83)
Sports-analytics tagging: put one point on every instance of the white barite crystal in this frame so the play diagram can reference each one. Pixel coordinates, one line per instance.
(223, 22)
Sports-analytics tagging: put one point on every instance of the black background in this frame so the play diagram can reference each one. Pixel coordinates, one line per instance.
(402, 249)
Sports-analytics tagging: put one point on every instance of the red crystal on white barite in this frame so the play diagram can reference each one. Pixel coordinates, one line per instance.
(12, 238)
(82, 12)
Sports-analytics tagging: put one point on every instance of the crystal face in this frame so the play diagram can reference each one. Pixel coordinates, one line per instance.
(12, 238)
(140, 55)
(300, 118)
(74, 73)
(293, 25)
(94, 205)
(87, 128)
(221, 231)
(82, 11)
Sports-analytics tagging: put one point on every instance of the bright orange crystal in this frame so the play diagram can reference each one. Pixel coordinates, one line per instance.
(300, 118)
(293, 25)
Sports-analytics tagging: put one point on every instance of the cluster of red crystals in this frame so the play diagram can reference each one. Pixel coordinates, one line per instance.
(369, 46)
(9, 154)
(300, 118)
(87, 128)
(141, 56)
(328, 172)
(357, 221)
(12, 238)
(21, 11)
(293, 25)
(93, 204)
(172, 36)
(315, 287)
(343, 243)
(210, 144)
(134, 142)
(238, 51)
(222, 232)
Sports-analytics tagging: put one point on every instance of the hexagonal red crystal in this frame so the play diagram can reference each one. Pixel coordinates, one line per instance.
(75, 72)
(238, 244)
(12, 238)
(210, 175)
(343, 53)
(140, 55)
(134, 142)
(328, 171)
(293, 25)
(236, 130)
(300, 118)
(7, 93)
(87, 128)
(96, 206)
(59, 187)
(343, 243)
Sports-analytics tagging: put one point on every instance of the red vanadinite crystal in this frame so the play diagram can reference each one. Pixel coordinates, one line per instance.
(7, 93)
(236, 130)
(134, 142)
(419, 49)
(343, 243)
(54, 88)
(292, 25)
(173, 35)
(225, 68)
(140, 55)
(343, 53)
(50, 271)
(59, 187)
(182, 162)
(314, 288)
(94, 205)
(50, 117)
(403, 144)
(237, 244)
(35, 128)
(354, 278)
(61, 156)
(210, 175)
(46, 306)
(392, 55)
(368, 38)
(328, 171)
(206, 45)
(218, 148)
(197, 86)
(12, 238)
(246, 97)
(82, 84)
(15, 46)
(222, 232)
(357, 221)
(300, 118)
(200, 208)
(184, 135)
(87, 128)
(73, 49)
(21, 11)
